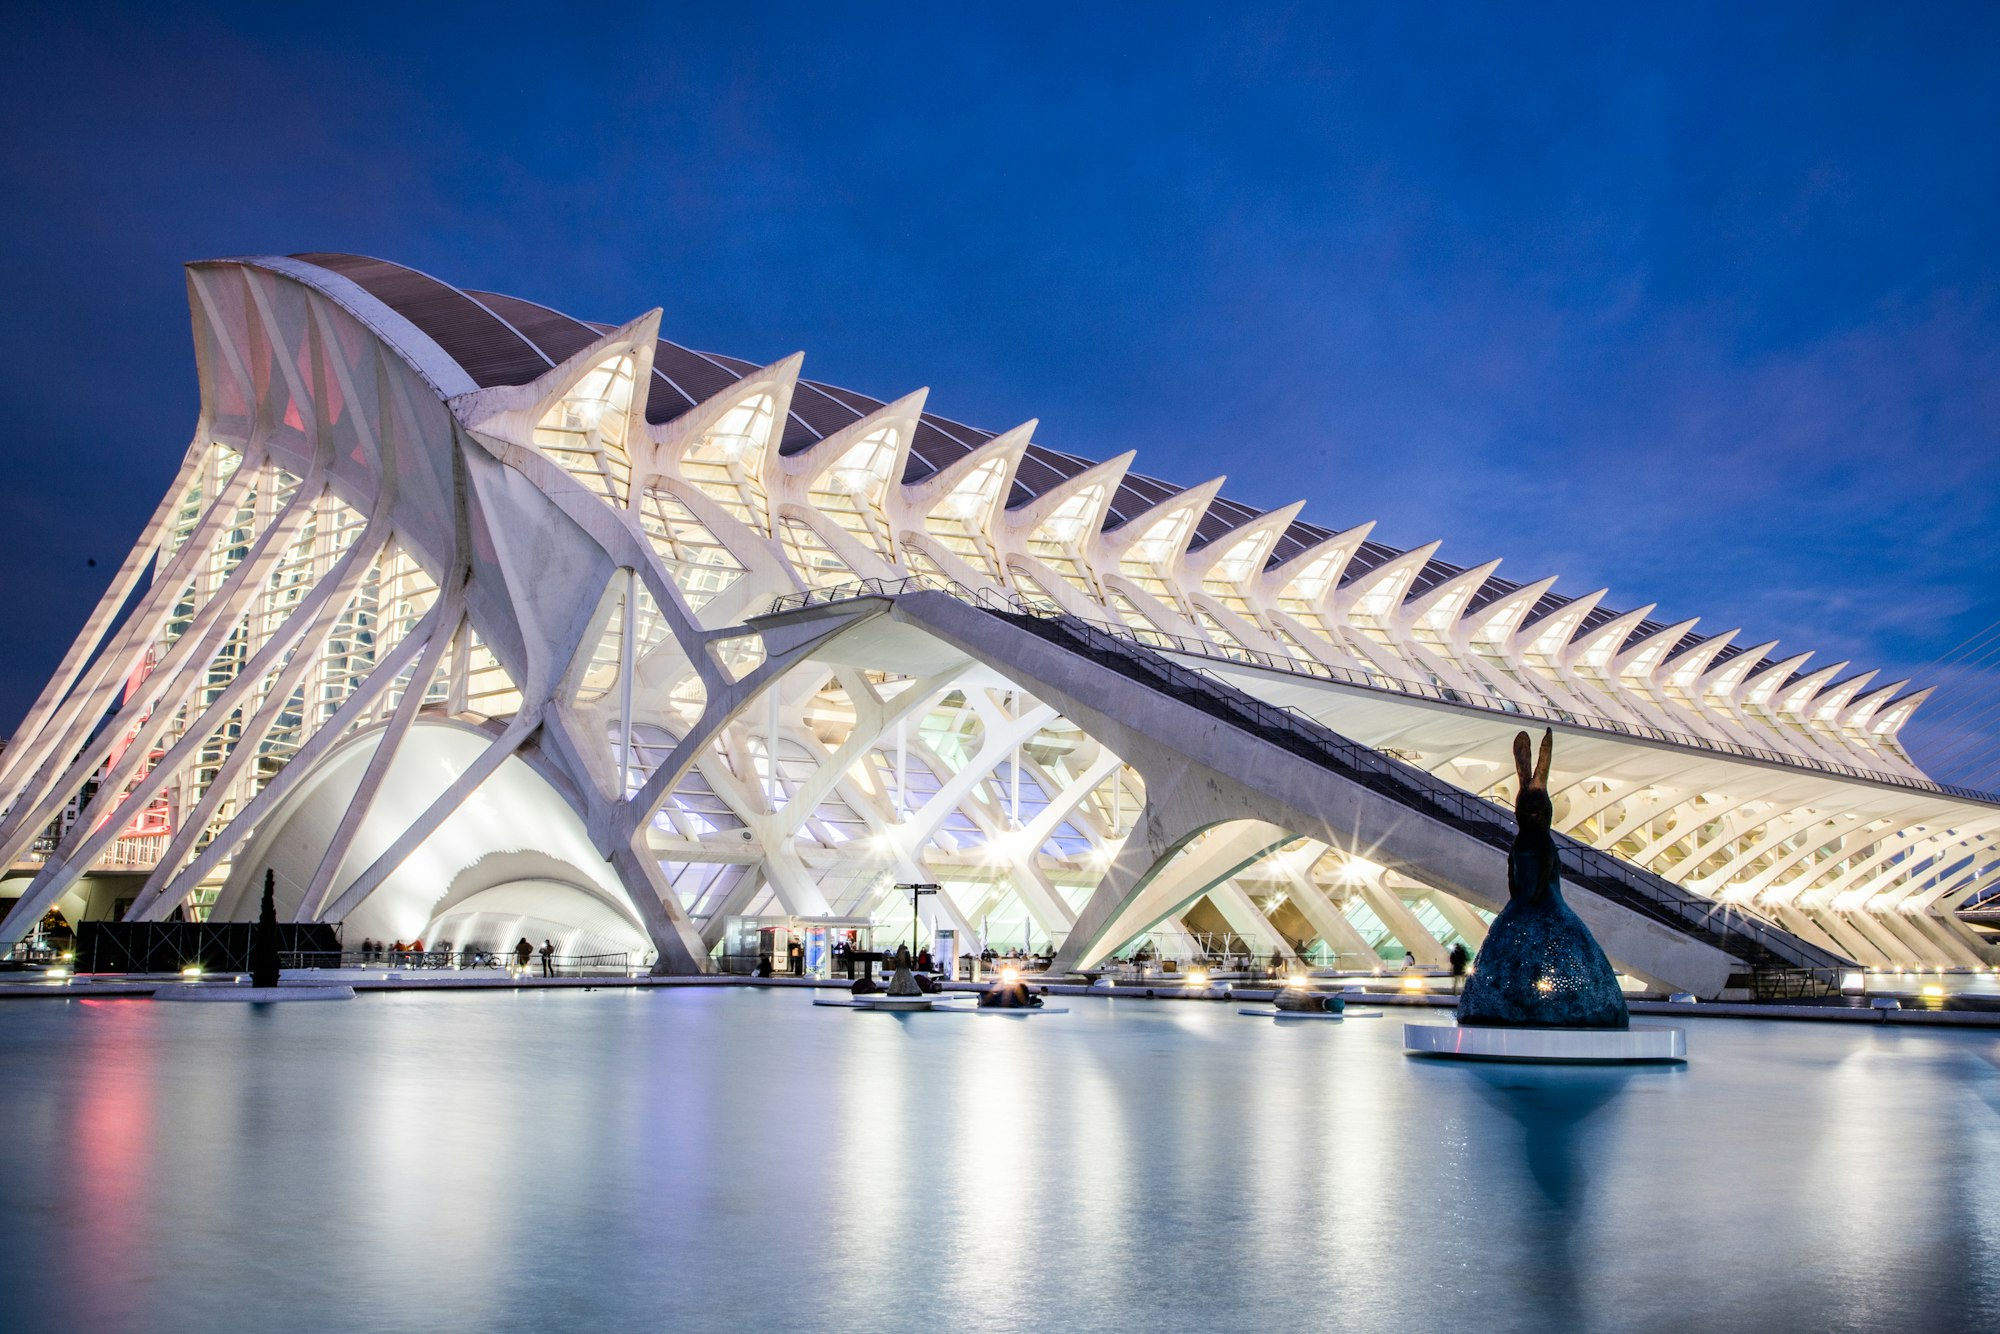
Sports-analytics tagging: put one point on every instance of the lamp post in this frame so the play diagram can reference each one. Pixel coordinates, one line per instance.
(917, 893)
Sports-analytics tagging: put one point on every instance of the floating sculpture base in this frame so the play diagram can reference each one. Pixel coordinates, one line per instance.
(1311, 1014)
(1641, 1044)
(906, 1004)
(259, 995)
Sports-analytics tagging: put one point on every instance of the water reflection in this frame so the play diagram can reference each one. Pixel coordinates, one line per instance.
(1554, 1108)
(1563, 1116)
(710, 1159)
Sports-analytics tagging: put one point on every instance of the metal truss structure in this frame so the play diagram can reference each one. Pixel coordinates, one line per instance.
(458, 616)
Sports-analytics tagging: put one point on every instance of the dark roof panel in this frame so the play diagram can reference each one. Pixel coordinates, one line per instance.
(489, 350)
(557, 335)
(1492, 591)
(1222, 516)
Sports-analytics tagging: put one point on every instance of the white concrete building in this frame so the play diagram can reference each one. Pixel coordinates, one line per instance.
(459, 616)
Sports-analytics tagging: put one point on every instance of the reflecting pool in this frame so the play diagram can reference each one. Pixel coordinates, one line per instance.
(738, 1159)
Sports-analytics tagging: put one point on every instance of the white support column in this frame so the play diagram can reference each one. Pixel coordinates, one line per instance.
(1248, 921)
(682, 952)
(1328, 920)
(1402, 923)
(1155, 877)
(627, 663)
(1462, 918)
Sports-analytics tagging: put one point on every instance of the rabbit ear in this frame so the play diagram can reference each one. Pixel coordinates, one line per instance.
(1542, 763)
(1524, 754)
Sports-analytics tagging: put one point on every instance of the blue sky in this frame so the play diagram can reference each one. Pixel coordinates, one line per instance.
(1699, 302)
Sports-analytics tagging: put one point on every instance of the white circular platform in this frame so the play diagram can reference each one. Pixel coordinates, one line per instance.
(904, 1004)
(1641, 1044)
(210, 992)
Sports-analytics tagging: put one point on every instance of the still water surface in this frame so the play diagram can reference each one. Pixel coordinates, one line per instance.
(736, 1159)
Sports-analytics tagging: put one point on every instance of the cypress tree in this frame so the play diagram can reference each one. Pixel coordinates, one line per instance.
(264, 938)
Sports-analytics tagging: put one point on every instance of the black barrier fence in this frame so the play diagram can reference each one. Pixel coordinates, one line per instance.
(217, 947)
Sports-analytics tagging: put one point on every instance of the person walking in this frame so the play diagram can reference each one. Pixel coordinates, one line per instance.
(548, 959)
(1460, 957)
(522, 953)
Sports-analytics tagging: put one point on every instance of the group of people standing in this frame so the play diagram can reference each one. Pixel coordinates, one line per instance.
(400, 955)
(524, 952)
(412, 953)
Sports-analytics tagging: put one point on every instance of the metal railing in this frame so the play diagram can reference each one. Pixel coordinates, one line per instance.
(1724, 926)
(1382, 683)
(467, 960)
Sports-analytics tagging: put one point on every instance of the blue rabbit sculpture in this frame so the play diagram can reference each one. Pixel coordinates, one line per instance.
(1540, 967)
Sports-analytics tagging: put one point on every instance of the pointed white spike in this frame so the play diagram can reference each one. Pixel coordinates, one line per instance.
(1861, 710)
(1890, 720)
(1794, 698)
(1827, 707)
(512, 411)
(1646, 656)
(910, 503)
(1330, 553)
(1759, 686)
(1136, 528)
(1550, 635)
(1262, 531)
(1385, 585)
(799, 471)
(1597, 646)
(1496, 622)
(1107, 474)
(674, 437)
(1684, 669)
(1442, 605)
(1727, 679)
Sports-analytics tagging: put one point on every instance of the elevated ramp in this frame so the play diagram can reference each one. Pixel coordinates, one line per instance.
(1214, 756)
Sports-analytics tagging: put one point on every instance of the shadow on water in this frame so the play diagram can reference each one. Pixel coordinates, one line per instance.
(1560, 1113)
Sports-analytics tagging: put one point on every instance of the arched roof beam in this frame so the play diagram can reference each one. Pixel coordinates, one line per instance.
(1890, 720)
(1865, 707)
(1794, 697)
(1760, 687)
(1723, 681)
(797, 473)
(1645, 658)
(1685, 669)
(1031, 514)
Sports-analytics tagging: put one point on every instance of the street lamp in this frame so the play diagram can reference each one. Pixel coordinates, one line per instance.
(917, 893)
